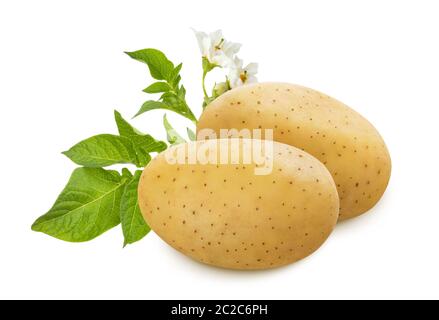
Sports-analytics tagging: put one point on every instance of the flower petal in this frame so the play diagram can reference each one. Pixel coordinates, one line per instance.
(206, 48)
(220, 59)
(200, 39)
(216, 37)
(252, 69)
(251, 79)
(237, 64)
(231, 48)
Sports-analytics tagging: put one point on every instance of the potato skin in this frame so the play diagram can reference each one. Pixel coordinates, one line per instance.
(349, 146)
(226, 216)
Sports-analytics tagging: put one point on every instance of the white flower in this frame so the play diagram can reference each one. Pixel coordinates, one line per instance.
(239, 76)
(216, 49)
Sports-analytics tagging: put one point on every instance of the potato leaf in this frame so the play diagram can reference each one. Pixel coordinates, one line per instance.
(161, 68)
(145, 140)
(151, 105)
(143, 143)
(158, 87)
(191, 135)
(102, 150)
(134, 227)
(172, 135)
(88, 206)
(124, 127)
(126, 174)
(169, 101)
(159, 65)
(175, 76)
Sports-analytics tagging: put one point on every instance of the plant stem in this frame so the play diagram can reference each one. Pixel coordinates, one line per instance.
(204, 85)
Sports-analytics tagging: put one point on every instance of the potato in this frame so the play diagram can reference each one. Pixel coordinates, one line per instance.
(227, 216)
(349, 146)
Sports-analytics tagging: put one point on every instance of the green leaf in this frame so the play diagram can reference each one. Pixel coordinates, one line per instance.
(170, 102)
(148, 144)
(102, 150)
(191, 135)
(159, 65)
(139, 139)
(172, 135)
(124, 127)
(182, 93)
(134, 226)
(173, 97)
(177, 103)
(151, 105)
(126, 174)
(175, 76)
(143, 143)
(143, 158)
(158, 87)
(88, 206)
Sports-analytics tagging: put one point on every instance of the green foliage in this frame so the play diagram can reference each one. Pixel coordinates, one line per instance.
(173, 95)
(87, 207)
(172, 135)
(134, 226)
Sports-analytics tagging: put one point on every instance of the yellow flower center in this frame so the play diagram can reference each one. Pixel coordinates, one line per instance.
(219, 45)
(243, 76)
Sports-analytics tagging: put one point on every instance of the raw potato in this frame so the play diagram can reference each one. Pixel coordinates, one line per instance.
(226, 216)
(349, 146)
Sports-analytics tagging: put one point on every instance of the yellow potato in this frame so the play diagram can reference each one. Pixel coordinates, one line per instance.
(225, 215)
(349, 146)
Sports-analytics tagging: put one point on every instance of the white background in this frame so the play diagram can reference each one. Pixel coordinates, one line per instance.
(63, 71)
